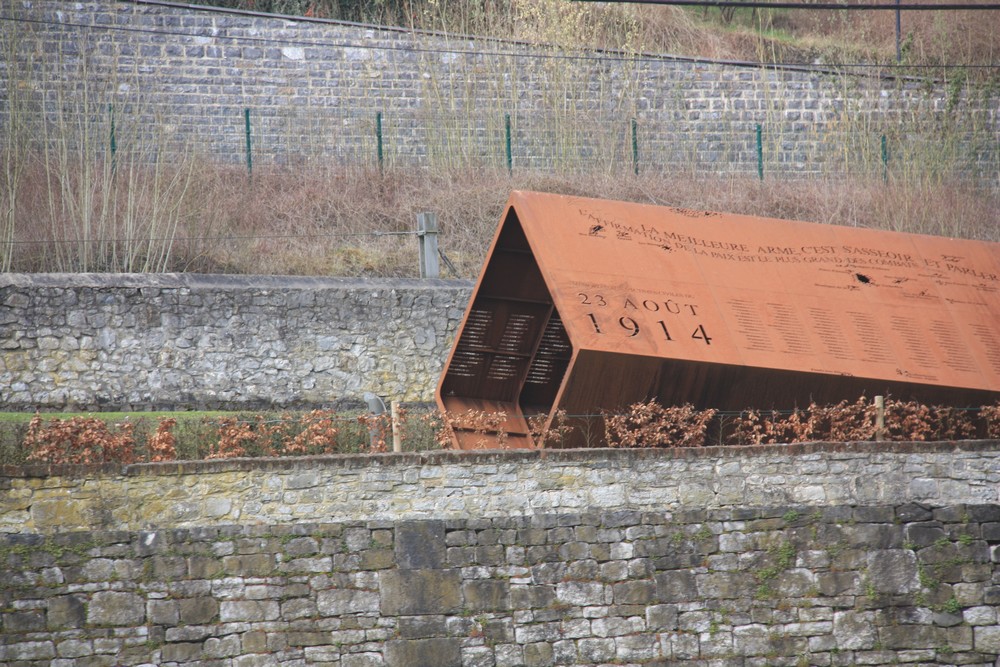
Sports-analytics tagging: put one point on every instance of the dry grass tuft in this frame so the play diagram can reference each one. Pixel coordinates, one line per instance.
(353, 222)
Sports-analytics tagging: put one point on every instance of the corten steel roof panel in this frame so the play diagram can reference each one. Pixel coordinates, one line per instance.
(725, 311)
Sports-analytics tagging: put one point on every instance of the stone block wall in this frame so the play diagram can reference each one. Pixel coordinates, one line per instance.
(118, 341)
(179, 80)
(637, 576)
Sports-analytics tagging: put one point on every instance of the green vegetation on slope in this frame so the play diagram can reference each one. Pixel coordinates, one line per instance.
(768, 35)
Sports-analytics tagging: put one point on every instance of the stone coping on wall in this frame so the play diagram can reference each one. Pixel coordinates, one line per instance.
(210, 281)
(444, 457)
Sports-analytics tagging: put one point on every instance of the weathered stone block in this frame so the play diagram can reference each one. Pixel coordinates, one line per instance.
(986, 639)
(202, 567)
(634, 592)
(74, 648)
(362, 660)
(538, 654)
(255, 661)
(198, 611)
(249, 565)
(298, 608)
(167, 568)
(486, 595)
(377, 559)
(114, 608)
(181, 652)
(248, 610)
(254, 641)
(163, 612)
(679, 586)
(924, 534)
(188, 633)
(596, 650)
(893, 571)
(661, 617)
(413, 592)
(874, 535)
(439, 652)
(637, 648)
(342, 601)
(991, 532)
(854, 630)
(912, 512)
(23, 621)
(982, 513)
(912, 637)
(419, 627)
(991, 596)
(582, 593)
(34, 650)
(223, 647)
(307, 638)
(420, 545)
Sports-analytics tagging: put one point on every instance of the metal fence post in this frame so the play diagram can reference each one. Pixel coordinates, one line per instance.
(427, 236)
(379, 147)
(635, 147)
(246, 123)
(114, 139)
(507, 142)
(885, 160)
(760, 152)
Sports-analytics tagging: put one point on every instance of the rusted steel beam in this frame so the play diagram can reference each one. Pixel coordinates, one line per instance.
(586, 305)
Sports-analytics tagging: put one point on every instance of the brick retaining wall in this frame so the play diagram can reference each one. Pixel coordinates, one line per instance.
(179, 79)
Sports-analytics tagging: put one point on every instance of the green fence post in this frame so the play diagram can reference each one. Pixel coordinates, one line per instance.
(760, 152)
(378, 141)
(885, 160)
(246, 118)
(113, 140)
(510, 159)
(635, 147)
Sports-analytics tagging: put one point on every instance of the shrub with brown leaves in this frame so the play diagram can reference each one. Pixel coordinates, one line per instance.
(990, 415)
(650, 424)
(79, 440)
(238, 438)
(162, 445)
(318, 435)
(557, 432)
(379, 431)
(487, 426)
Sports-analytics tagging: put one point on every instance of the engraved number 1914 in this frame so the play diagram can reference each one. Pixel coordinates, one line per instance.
(632, 329)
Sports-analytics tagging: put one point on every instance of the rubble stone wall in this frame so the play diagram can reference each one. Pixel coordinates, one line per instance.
(120, 341)
(826, 554)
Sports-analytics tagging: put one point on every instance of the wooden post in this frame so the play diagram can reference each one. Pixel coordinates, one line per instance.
(879, 418)
(397, 441)
(427, 235)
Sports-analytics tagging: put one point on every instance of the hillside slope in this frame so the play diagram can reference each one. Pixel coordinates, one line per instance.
(806, 36)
